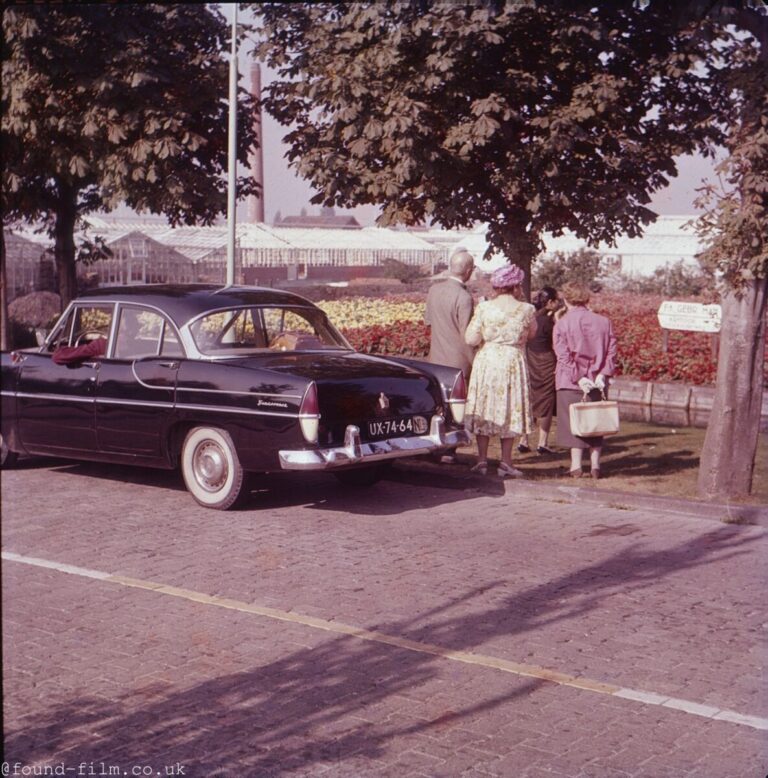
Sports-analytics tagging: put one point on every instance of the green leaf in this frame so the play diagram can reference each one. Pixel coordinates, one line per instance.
(115, 133)
(78, 167)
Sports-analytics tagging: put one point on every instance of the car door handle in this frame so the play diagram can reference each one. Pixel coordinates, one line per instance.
(170, 365)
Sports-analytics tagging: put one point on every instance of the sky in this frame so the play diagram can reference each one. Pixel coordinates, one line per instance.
(286, 193)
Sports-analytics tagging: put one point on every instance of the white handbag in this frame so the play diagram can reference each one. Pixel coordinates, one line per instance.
(594, 419)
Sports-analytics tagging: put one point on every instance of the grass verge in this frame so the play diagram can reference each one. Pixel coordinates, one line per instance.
(642, 458)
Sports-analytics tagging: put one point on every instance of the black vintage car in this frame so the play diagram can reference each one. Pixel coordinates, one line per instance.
(221, 382)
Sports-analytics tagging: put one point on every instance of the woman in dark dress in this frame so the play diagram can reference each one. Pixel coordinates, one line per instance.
(541, 368)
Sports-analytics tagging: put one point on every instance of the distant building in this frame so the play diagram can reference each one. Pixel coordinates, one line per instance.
(151, 251)
(668, 240)
(326, 219)
(28, 263)
(138, 258)
(303, 249)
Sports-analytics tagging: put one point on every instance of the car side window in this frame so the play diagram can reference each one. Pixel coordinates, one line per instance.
(289, 330)
(280, 320)
(142, 332)
(85, 323)
(171, 346)
(260, 328)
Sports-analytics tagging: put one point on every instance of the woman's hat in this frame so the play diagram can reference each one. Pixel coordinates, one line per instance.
(509, 275)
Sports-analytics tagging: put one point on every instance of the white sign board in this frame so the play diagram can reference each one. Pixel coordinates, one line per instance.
(695, 317)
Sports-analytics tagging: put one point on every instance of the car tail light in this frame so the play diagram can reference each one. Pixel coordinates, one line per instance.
(458, 398)
(309, 414)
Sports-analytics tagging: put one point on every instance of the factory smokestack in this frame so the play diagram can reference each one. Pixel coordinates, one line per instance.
(256, 158)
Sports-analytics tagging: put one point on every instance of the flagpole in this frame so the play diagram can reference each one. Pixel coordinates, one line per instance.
(232, 183)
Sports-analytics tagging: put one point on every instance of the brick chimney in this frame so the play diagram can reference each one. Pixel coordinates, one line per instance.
(256, 158)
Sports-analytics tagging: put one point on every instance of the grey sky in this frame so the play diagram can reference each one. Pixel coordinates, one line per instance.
(287, 193)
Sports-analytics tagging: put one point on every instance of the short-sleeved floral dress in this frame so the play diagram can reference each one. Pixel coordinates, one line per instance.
(499, 394)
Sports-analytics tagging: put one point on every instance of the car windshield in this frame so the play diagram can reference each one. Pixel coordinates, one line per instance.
(265, 328)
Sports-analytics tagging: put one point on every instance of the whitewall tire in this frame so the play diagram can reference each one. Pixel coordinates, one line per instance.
(211, 468)
(8, 458)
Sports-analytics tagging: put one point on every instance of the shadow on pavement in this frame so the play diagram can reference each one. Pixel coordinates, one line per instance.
(319, 490)
(127, 474)
(343, 700)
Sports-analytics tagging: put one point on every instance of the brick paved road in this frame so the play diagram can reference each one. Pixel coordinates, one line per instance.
(96, 671)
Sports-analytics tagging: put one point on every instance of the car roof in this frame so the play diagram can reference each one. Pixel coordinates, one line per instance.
(185, 302)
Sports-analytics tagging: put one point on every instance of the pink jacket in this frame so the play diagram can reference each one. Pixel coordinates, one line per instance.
(585, 346)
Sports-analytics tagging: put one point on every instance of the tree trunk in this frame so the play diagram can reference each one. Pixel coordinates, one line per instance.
(64, 246)
(5, 341)
(520, 249)
(730, 445)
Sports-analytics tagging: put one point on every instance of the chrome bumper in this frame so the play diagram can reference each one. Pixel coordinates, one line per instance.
(354, 452)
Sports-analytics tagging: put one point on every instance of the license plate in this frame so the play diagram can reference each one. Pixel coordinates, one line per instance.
(394, 428)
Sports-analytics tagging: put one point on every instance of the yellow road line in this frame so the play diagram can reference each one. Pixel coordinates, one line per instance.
(480, 660)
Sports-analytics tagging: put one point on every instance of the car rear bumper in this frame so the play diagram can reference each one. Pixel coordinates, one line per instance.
(354, 452)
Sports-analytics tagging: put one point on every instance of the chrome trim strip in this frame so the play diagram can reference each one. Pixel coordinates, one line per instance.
(65, 397)
(147, 404)
(224, 409)
(212, 391)
(245, 394)
(146, 385)
(177, 406)
(307, 305)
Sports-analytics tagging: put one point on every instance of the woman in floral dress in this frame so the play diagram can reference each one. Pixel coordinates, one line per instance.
(499, 396)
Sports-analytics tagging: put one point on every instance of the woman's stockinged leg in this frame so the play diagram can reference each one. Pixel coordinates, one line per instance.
(545, 424)
(482, 448)
(576, 458)
(506, 450)
(481, 466)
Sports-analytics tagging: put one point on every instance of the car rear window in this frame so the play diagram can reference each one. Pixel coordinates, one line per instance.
(265, 329)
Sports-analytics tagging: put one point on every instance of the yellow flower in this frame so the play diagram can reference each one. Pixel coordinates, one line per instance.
(357, 312)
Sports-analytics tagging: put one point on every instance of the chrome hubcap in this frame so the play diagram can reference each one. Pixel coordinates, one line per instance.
(209, 464)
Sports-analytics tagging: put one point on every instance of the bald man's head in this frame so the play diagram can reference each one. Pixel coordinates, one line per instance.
(462, 264)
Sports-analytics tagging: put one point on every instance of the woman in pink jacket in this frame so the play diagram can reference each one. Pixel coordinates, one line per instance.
(586, 356)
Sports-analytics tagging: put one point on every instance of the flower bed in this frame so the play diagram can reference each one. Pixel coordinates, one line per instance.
(640, 342)
(395, 325)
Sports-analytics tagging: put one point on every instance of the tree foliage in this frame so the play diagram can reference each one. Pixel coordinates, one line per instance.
(543, 116)
(529, 117)
(736, 228)
(583, 267)
(111, 103)
(403, 272)
(672, 281)
(735, 221)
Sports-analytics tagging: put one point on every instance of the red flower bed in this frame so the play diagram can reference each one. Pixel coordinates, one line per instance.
(640, 355)
(640, 341)
(403, 338)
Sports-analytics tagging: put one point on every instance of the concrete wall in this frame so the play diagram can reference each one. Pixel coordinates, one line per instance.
(667, 403)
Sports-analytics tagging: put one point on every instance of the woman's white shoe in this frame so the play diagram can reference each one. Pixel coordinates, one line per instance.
(507, 471)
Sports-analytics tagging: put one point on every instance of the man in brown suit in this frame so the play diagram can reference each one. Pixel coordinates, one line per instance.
(449, 309)
(448, 312)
